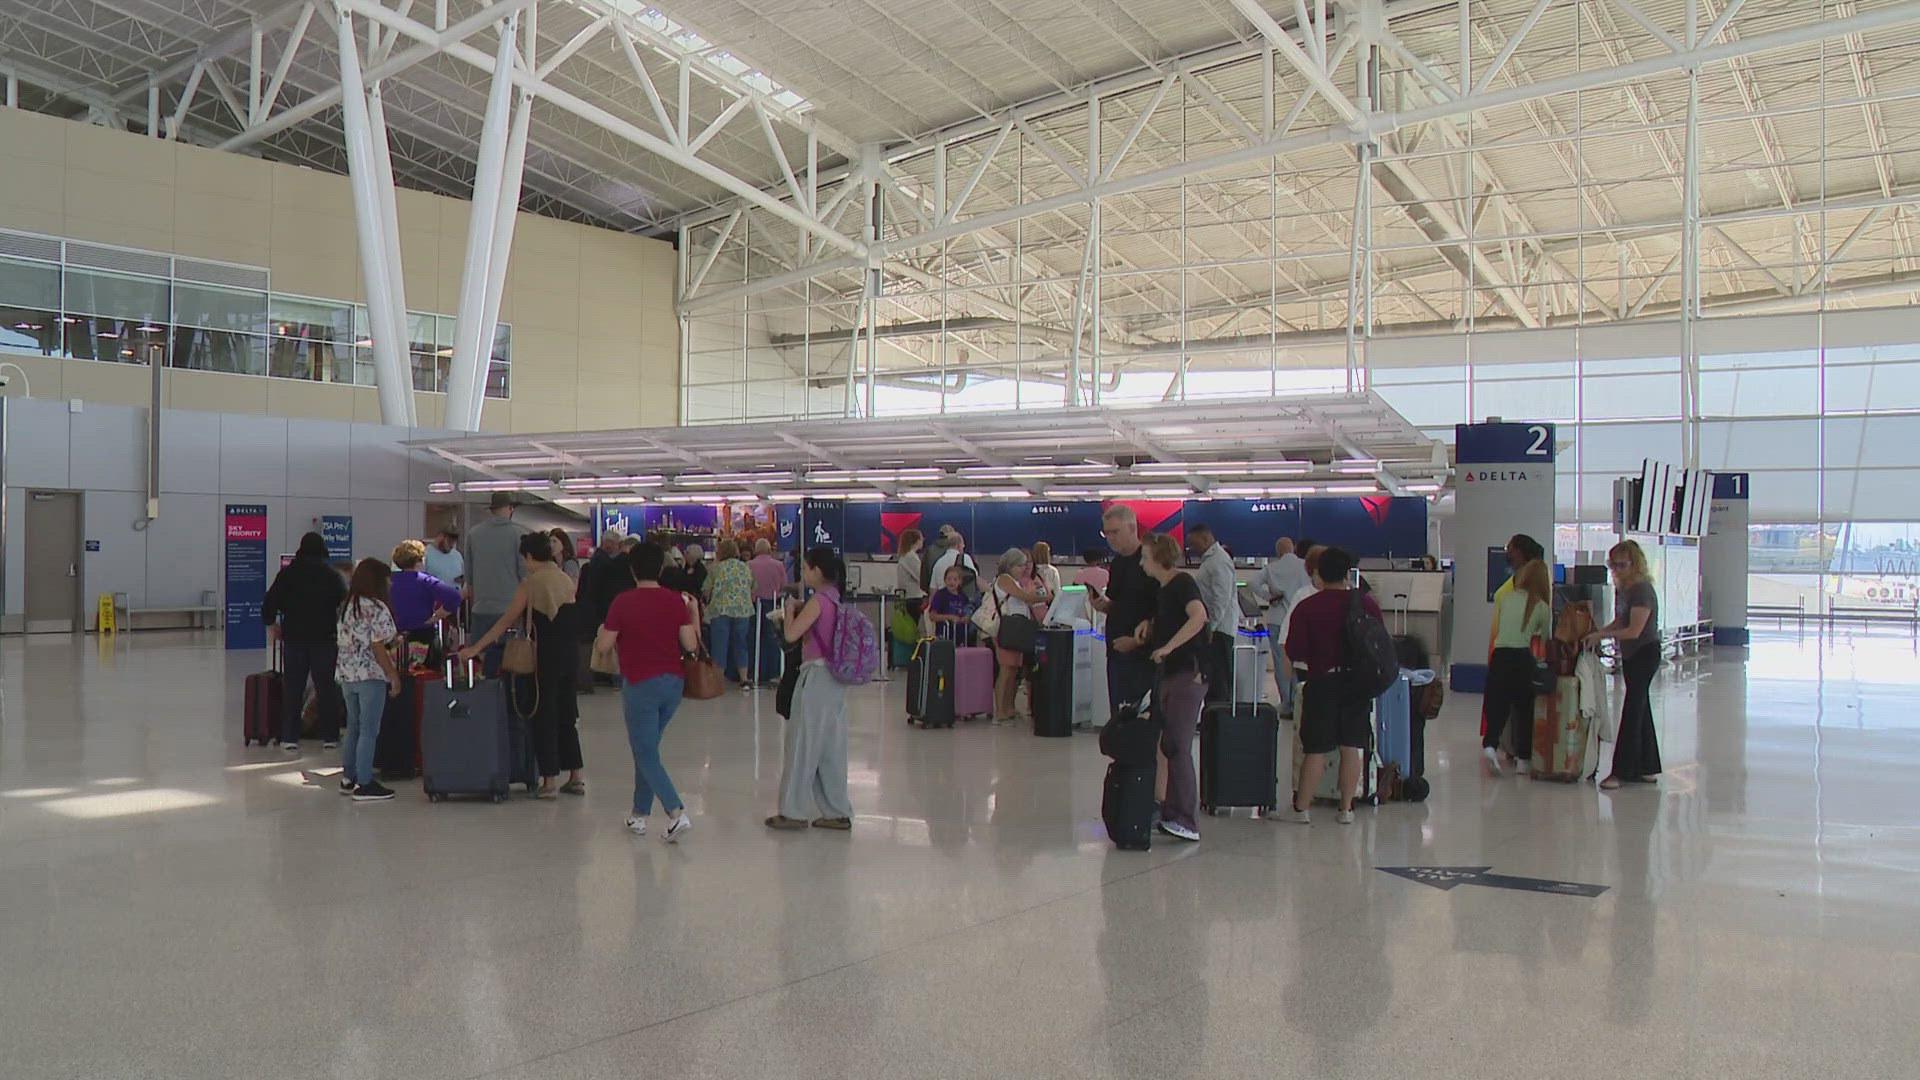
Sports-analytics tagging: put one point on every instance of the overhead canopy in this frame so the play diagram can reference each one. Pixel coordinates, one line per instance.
(1335, 443)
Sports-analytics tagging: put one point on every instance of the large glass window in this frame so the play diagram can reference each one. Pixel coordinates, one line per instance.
(312, 339)
(29, 307)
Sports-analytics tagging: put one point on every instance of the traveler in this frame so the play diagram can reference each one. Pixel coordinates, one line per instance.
(444, 560)
(1333, 715)
(693, 575)
(1521, 615)
(300, 610)
(1284, 577)
(730, 609)
(949, 609)
(368, 675)
(954, 555)
(419, 600)
(1174, 640)
(543, 603)
(494, 566)
(769, 578)
(1013, 595)
(1127, 601)
(1220, 591)
(1636, 626)
(1094, 574)
(607, 574)
(566, 556)
(906, 571)
(813, 773)
(1045, 573)
(650, 627)
(630, 545)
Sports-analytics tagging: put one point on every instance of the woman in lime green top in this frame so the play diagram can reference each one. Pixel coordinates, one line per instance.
(1520, 615)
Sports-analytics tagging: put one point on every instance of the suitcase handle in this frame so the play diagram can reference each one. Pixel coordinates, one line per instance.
(473, 674)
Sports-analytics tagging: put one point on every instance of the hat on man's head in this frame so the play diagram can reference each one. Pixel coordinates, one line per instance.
(501, 500)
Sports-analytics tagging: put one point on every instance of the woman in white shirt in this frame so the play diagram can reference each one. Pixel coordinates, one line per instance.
(1014, 593)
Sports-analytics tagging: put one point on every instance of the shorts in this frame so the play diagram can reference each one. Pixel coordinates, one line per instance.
(1331, 717)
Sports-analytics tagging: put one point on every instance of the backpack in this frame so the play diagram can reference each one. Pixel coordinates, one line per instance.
(852, 650)
(1371, 663)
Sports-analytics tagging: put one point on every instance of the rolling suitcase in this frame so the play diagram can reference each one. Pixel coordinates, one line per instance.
(1240, 741)
(1393, 728)
(465, 737)
(1126, 806)
(1053, 705)
(1132, 739)
(930, 684)
(973, 670)
(264, 709)
(396, 750)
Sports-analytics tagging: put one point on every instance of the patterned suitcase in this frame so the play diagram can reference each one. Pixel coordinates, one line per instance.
(1560, 733)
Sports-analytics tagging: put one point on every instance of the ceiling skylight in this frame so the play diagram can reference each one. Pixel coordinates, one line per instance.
(673, 40)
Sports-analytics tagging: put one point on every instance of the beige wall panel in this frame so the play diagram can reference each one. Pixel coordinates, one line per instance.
(609, 405)
(31, 136)
(429, 409)
(35, 187)
(206, 391)
(25, 219)
(116, 153)
(117, 201)
(536, 416)
(659, 407)
(229, 175)
(286, 397)
(46, 375)
(108, 384)
(297, 188)
(496, 417)
(211, 226)
(602, 354)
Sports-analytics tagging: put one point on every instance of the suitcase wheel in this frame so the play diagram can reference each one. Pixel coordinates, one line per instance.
(436, 796)
(499, 797)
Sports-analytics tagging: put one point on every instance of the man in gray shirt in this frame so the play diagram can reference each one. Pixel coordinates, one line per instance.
(1219, 592)
(493, 563)
(1279, 582)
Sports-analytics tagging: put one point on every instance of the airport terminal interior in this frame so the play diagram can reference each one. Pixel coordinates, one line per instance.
(1007, 538)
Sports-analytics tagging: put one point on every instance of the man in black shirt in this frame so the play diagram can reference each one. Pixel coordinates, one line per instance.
(1128, 602)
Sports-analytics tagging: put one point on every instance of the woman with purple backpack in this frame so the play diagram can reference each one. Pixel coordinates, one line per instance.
(813, 774)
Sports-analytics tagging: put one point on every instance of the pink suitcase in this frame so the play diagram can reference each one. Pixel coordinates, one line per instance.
(973, 683)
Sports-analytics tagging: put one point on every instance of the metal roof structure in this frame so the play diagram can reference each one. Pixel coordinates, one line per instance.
(1302, 445)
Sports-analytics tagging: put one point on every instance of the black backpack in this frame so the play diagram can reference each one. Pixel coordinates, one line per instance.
(1371, 662)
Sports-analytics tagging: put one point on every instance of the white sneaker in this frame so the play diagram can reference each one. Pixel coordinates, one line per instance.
(1290, 815)
(291, 749)
(1521, 766)
(636, 825)
(1178, 831)
(678, 829)
(1345, 818)
(1493, 760)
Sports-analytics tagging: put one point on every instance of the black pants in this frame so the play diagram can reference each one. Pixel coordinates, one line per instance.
(554, 722)
(1220, 674)
(1636, 753)
(1510, 699)
(315, 662)
(1129, 676)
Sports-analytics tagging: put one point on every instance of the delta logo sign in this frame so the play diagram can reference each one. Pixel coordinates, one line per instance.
(892, 524)
(1492, 476)
(1377, 508)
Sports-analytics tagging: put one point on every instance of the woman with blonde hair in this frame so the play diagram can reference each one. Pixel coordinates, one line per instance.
(1014, 595)
(1636, 626)
(1521, 616)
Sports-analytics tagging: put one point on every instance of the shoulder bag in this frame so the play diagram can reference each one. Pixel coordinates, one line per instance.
(520, 654)
(1018, 633)
(698, 672)
(986, 618)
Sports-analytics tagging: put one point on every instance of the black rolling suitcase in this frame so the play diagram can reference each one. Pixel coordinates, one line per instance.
(1053, 683)
(1239, 752)
(465, 737)
(930, 684)
(1131, 738)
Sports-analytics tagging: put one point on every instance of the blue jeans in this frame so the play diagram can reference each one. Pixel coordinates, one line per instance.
(649, 706)
(733, 644)
(366, 702)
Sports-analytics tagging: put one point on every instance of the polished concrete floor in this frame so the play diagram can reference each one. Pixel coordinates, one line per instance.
(172, 905)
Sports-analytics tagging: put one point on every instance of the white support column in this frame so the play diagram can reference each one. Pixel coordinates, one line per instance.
(153, 109)
(390, 233)
(467, 378)
(1690, 281)
(506, 215)
(391, 378)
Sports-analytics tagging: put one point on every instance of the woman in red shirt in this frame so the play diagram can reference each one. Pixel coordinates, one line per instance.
(650, 628)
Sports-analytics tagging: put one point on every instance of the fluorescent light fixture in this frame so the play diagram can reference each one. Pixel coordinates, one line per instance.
(506, 485)
(1010, 493)
(649, 480)
(1350, 489)
(1145, 493)
(573, 502)
(1263, 492)
(1022, 472)
(733, 479)
(109, 335)
(1354, 468)
(149, 329)
(681, 499)
(867, 496)
(1423, 487)
(441, 487)
(1223, 468)
(785, 497)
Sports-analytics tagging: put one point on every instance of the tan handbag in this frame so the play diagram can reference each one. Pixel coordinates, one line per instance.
(606, 661)
(701, 676)
(521, 656)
